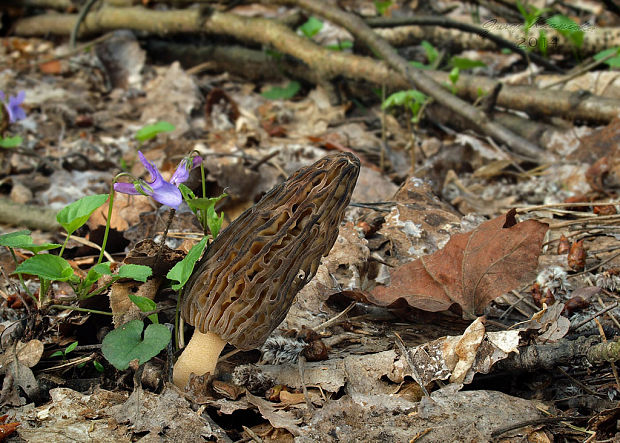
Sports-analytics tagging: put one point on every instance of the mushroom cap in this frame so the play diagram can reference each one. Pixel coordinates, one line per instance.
(245, 284)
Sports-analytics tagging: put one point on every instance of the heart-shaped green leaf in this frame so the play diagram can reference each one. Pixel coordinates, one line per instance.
(125, 344)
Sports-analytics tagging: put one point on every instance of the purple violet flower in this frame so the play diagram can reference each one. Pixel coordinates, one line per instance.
(14, 107)
(166, 193)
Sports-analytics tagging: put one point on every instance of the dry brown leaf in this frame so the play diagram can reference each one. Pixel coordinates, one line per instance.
(471, 270)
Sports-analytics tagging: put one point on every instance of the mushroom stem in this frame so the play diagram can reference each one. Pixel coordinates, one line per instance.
(199, 356)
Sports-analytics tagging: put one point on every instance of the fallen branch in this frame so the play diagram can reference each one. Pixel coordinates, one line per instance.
(258, 65)
(444, 22)
(595, 39)
(27, 216)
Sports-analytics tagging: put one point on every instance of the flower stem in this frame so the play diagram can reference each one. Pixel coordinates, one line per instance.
(162, 243)
(107, 222)
(64, 245)
(21, 279)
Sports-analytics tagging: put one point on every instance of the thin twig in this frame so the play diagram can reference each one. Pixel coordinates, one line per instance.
(593, 316)
(405, 353)
(70, 363)
(301, 361)
(80, 18)
(611, 363)
(85, 242)
(335, 318)
(607, 260)
(76, 308)
(526, 208)
(444, 22)
(580, 71)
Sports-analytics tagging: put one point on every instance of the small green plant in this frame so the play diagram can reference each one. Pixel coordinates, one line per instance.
(151, 131)
(204, 208)
(282, 93)
(311, 27)
(463, 63)
(411, 99)
(382, 7)
(531, 15)
(454, 78)
(341, 46)
(569, 29)
(610, 56)
(63, 352)
(49, 268)
(134, 340)
(12, 111)
(431, 56)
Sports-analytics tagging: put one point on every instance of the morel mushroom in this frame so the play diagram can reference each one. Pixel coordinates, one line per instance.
(245, 284)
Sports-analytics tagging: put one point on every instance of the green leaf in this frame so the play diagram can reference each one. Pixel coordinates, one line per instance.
(382, 7)
(568, 28)
(599, 56)
(205, 203)
(125, 344)
(73, 216)
(278, 93)
(71, 347)
(102, 268)
(146, 305)
(188, 194)
(612, 62)
(465, 63)
(542, 42)
(135, 272)
(56, 354)
(40, 248)
(150, 131)
(276, 55)
(46, 266)
(23, 240)
(214, 222)
(431, 52)
(404, 98)
(17, 239)
(312, 27)
(10, 142)
(183, 269)
(98, 366)
(454, 75)
(419, 65)
(340, 46)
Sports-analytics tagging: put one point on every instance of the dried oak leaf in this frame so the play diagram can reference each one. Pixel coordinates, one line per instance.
(471, 270)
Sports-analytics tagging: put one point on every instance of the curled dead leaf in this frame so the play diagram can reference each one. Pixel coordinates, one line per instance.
(471, 270)
(577, 256)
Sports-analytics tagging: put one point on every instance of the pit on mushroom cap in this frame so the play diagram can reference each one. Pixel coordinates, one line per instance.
(245, 284)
